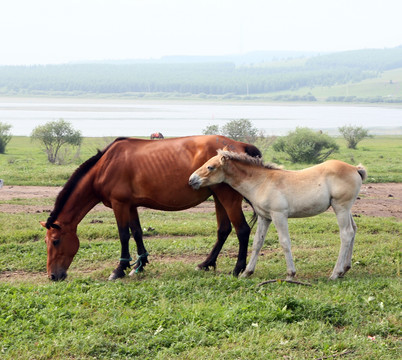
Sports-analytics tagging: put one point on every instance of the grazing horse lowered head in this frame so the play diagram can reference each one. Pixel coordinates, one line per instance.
(134, 172)
(277, 195)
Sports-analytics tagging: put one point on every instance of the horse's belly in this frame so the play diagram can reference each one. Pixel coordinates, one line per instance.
(170, 200)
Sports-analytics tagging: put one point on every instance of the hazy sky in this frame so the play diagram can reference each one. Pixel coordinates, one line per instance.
(59, 31)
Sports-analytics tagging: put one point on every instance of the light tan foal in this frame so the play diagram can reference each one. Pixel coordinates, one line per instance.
(277, 195)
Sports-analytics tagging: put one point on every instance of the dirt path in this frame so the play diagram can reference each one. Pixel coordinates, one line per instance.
(374, 200)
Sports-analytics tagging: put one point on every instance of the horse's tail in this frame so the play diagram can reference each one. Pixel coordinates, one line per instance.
(362, 171)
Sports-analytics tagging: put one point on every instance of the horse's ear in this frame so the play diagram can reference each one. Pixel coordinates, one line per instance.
(43, 223)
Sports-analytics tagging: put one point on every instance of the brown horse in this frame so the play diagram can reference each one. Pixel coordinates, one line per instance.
(277, 195)
(134, 172)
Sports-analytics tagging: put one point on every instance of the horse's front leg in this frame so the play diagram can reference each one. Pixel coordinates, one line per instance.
(124, 263)
(262, 228)
(281, 224)
(136, 230)
(122, 214)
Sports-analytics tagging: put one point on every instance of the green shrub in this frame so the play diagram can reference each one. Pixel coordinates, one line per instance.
(306, 146)
(353, 135)
(5, 136)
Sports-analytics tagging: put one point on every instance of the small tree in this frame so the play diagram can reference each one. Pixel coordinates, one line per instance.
(5, 136)
(211, 130)
(306, 146)
(353, 135)
(240, 130)
(55, 134)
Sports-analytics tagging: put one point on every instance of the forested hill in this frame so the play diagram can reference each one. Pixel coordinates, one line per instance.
(199, 78)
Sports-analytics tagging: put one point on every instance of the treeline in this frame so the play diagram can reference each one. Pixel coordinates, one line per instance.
(198, 78)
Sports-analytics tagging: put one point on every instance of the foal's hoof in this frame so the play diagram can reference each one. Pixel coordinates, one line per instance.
(246, 274)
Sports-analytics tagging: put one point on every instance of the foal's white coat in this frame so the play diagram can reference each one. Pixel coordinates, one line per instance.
(277, 195)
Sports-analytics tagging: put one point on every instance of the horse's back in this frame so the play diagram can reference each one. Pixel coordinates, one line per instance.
(155, 173)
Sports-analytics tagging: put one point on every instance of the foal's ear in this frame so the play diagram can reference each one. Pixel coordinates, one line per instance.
(43, 223)
(223, 159)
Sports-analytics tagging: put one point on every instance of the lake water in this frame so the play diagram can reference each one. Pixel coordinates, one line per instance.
(135, 118)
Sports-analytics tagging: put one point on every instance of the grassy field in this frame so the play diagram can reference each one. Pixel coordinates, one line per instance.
(26, 164)
(172, 311)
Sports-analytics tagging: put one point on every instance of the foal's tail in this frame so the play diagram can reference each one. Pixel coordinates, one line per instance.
(362, 171)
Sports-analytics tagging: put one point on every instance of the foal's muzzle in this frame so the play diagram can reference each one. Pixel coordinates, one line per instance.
(194, 181)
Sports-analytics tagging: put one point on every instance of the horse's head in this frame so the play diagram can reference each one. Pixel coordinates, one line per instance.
(62, 245)
(212, 172)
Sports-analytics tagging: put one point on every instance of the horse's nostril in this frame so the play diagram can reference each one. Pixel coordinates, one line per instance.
(58, 276)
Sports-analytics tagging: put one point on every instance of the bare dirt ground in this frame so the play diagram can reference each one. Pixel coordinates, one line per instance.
(374, 200)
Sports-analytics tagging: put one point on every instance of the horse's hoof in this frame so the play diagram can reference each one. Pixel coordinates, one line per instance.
(117, 274)
(113, 277)
(136, 271)
(204, 267)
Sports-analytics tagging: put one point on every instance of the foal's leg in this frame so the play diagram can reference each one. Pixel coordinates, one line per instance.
(136, 230)
(347, 230)
(281, 224)
(350, 252)
(262, 228)
(224, 229)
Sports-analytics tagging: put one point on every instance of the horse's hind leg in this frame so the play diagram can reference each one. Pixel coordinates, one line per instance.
(232, 203)
(347, 230)
(224, 229)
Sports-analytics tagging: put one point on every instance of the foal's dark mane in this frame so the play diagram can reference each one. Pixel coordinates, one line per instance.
(72, 183)
(247, 159)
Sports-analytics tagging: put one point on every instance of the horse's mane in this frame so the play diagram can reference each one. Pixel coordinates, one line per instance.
(247, 159)
(72, 183)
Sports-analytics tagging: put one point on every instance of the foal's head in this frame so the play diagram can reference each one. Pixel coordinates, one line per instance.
(62, 245)
(212, 172)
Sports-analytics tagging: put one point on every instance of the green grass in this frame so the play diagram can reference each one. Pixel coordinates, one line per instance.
(381, 155)
(26, 164)
(172, 311)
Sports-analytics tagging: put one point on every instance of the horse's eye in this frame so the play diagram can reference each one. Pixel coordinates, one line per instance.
(56, 242)
(210, 168)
